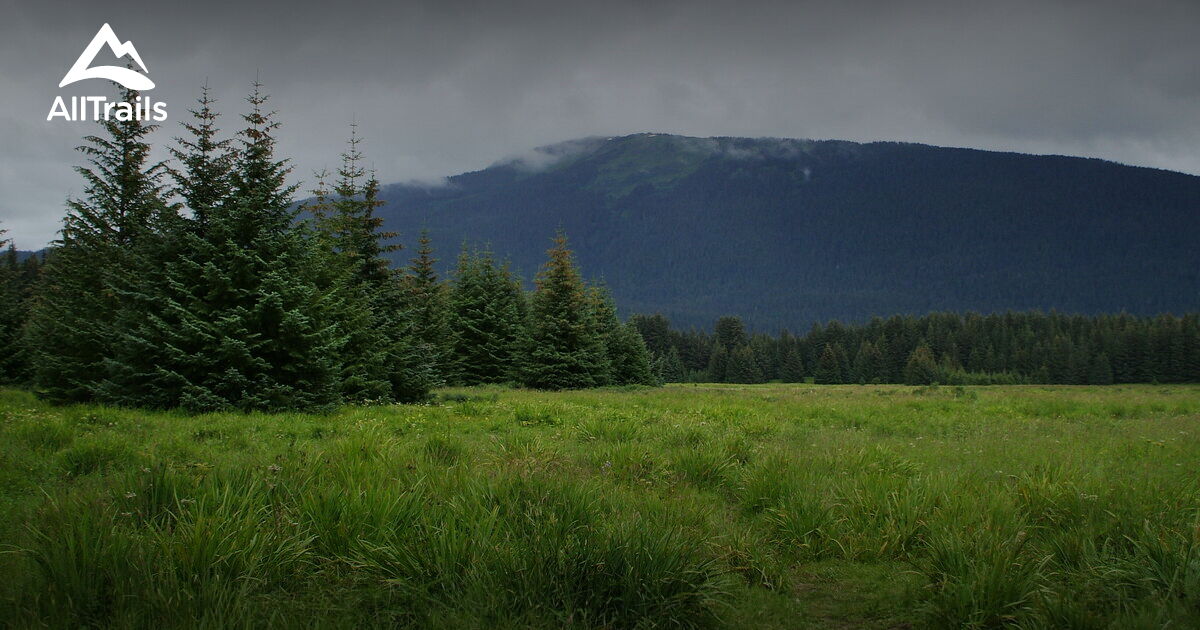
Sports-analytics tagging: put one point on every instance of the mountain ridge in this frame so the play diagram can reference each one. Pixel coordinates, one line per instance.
(786, 232)
(568, 148)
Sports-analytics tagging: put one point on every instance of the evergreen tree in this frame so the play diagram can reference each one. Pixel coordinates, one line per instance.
(1191, 333)
(562, 349)
(868, 363)
(486, 321)
(1078, 364)
(731, 332)
(672, 367)
(792, 369)
(206, 162)
(765, 353)
(627, 360)
(718, 362)
(12, 316)
(30, 272)
(1174, 349)
(408, 364)
(604, 321)
(921, 369)
(742, 367)
(1099, 371)
(152, 331)
(630, 359)
(356, 231)
(845, 369)
(428, 303)
(977, 360)
(73, 325)
(656, 331)
(829, 367)
(255, 316)
(387, 353)
(281, 337)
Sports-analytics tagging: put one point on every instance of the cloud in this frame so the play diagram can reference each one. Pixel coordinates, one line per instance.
(543, 157)
(442, 87)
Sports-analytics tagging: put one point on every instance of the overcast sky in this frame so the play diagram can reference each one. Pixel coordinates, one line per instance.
(447, 86)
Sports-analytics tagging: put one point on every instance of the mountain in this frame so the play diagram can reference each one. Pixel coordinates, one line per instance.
(787, 232)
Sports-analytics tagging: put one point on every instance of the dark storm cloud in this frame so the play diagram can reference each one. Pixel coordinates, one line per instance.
(441, 87)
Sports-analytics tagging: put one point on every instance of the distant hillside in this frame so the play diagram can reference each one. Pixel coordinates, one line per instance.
(787, 232)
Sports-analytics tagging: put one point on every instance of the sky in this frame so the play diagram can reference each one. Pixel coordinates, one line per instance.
(441, 87)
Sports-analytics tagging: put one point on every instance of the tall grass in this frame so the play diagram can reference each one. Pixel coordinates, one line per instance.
(689, 506)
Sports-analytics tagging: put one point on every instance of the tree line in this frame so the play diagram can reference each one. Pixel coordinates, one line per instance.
(945, 348)
(198, 283)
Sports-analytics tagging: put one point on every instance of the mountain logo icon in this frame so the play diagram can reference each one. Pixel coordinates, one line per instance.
(125, 76)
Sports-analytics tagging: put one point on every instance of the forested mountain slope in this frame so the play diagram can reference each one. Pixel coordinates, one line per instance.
(785, 232)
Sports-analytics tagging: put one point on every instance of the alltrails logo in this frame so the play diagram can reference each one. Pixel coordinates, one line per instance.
(99, 107)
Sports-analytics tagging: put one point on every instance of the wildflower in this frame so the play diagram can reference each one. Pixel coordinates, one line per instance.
(130, 495)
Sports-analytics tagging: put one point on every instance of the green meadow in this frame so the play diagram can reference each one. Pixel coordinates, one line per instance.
(724, 506)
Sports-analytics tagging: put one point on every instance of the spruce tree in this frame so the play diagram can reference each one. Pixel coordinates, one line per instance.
(72, 329)
(1099, 370)
(143, 330)
(766, 357)
(718, 362)
(413, 363)
(408, 364)
(672, 367)
(12, 316)
(864, 366)
(486, 320)
(845, 369)
(921, 368)
(829, 367)
(607, 326)
(170, 341)
(562, 349)
(351, 221)
(1078, 364)
(627, 360)
(656, 330)
(792, 368)
(741, 367)
(281, 341)
(731, 332)
(1192, 345)
(631, 363)
(386, 356)
(427, 302)
(254, 315)
(154, 336)
(206, 162)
